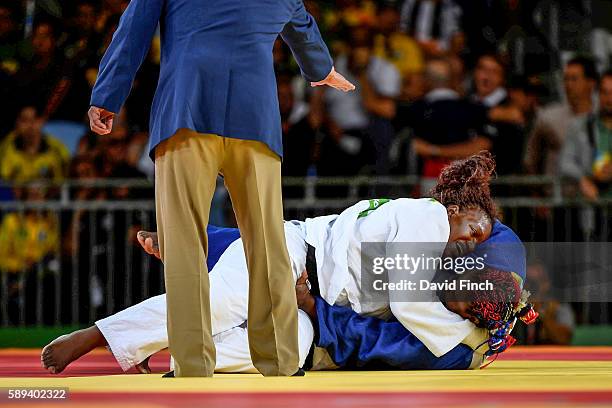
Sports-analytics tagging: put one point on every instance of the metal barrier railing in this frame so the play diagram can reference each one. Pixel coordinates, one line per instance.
(67, 261)
(354, 184)
(73, 263)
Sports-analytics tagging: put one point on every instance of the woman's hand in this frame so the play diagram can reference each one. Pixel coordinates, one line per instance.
(149, 242)
(305, 300)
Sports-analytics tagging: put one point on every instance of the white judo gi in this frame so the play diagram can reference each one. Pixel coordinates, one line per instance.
(139, 331)
(338, 239)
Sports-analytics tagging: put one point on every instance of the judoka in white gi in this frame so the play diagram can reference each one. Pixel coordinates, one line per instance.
(460, 215)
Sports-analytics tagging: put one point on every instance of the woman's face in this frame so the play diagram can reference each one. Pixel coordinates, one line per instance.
(468, 228)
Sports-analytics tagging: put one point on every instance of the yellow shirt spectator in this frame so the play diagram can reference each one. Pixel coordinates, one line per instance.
(26, 239)
(359, 13)
(400, 50)
(18, 165)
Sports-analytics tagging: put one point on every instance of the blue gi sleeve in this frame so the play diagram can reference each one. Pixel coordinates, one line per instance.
(303, 37)
(219, 239)
(355, 341)
(125, 54)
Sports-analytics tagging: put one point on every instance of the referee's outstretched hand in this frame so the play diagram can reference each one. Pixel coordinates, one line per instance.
(335, 80)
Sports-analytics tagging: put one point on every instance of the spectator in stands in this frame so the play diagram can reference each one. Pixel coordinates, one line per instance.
(489, 80)
(9, 63)
(36, 79)
(302, 137)
(351, 13)
(9, 40)
(137, 147)
(556, 322)
(395, 46)
(507, 116)
(82, 168)
(299, 133)
(110, 9)
(29, 249)
(511, 143)
(69, 98)
(86, 242)
(116, 157)
(445, 126)
(81, 33)
(413, 88)
(550, 130)
(27, 238)
(586, 156)
(357, 120)
(433, 23)
(27, 154)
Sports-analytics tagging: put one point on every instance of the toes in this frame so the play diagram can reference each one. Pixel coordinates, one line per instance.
(48, 361)
(45, 356)
(49, 365)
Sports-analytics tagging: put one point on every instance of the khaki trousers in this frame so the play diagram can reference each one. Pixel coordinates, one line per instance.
(186, 168)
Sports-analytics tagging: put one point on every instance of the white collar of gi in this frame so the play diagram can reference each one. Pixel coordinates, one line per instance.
(441, 94)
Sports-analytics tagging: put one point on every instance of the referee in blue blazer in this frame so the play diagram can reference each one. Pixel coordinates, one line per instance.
(216, 111)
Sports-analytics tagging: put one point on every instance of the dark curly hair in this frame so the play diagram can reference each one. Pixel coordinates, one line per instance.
(492, 307)
(465, 183)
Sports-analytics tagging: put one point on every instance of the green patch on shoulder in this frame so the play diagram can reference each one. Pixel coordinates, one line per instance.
(374, 204)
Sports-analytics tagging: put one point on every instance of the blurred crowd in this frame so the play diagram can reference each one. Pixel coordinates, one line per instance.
(437, 80)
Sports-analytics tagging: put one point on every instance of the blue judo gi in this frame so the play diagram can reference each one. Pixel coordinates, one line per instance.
(360, 342)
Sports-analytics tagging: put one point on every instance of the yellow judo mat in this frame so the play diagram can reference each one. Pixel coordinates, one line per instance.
(520, 377)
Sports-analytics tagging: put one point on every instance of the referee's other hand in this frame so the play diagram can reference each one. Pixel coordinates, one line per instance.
(100, 120)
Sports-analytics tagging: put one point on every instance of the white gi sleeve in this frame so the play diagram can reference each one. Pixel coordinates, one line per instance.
(437, 327)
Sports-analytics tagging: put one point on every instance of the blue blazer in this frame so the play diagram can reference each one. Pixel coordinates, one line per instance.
(217, 73)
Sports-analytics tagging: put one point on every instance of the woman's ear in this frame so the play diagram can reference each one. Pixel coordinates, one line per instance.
(452, 209)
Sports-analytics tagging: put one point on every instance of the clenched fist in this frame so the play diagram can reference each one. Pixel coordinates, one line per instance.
(100, 120)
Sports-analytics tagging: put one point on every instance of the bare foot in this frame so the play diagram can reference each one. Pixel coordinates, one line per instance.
(148, 241)
(62, 351)
(143, 366)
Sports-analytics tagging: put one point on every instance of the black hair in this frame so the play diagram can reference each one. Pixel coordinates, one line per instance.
(495, 57)
(588, 67)
(607, 74)
(466, 183)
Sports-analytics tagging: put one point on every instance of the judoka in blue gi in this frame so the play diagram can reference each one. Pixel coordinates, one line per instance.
(444, 333)
(335, 337)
